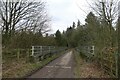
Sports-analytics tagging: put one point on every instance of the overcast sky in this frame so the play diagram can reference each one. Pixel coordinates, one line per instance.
(64, 12)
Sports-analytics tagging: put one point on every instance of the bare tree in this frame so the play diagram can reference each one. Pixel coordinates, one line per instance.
(22, 15)
(107, 11)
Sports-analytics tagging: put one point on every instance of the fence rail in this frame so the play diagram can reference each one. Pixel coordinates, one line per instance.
(36, 52)
(41, 52)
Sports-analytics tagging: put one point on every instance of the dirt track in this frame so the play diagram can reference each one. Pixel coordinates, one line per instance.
(61, 67)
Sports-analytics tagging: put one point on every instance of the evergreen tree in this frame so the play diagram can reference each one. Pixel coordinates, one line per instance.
(93, 28)
(78, 23)
(73, 25)
(58, 37)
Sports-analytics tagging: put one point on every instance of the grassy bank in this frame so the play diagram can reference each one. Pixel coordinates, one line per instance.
(20, 68)
(87, 69)
(78, 61)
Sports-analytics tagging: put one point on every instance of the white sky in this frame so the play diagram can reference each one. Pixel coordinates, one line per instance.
(64, 12)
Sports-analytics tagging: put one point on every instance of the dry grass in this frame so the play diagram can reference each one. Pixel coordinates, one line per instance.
(17, 69)
(88, 69)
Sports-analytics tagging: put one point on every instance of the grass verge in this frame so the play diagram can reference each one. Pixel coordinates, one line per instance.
(22, 69)
(78, 61)
(87, 69)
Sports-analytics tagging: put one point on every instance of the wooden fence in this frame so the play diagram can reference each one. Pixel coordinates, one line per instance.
(36, 52)
(41, 52)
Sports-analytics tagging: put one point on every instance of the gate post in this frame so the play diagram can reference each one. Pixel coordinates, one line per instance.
(32, 50)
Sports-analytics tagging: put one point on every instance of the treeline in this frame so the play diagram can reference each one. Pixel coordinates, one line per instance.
(24, 23)
(100, 28)
(94, 32)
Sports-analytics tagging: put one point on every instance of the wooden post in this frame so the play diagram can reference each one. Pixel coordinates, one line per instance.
(119, 40)
(41, 49)
(27, 58)
(18, 54)
(49, 48)
(116, 62)
(41, 53)
(49, 51)
(112, 62)
(93, 48)
(101, 59)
